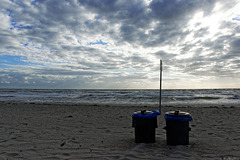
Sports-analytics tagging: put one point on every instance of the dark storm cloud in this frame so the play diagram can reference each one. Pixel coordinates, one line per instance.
(5, 40)
(235, 44)
(164, 55)
(172, 9)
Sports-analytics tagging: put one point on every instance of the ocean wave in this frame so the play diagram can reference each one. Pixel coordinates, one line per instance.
(234, 97)
(207, 97)
(132, 97)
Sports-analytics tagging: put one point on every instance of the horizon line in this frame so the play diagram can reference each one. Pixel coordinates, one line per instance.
(120, 88)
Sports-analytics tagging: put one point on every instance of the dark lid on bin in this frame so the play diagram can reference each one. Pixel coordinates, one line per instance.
(177, 113)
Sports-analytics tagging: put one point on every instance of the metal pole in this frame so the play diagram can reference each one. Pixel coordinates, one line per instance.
(160, 92)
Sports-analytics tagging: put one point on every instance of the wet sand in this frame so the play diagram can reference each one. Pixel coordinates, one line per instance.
(70, 131)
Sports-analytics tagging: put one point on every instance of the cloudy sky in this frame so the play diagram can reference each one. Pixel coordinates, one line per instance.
(118, 43)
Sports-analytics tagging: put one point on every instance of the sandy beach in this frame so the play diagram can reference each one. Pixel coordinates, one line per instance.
(68, 131)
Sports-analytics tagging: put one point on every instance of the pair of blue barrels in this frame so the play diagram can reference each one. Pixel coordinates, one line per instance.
(177, 126)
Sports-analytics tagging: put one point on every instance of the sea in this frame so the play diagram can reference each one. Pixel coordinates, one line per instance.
(123, 96)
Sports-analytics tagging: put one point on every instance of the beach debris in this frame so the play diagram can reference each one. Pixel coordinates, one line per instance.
(70, 116)
(62, 144)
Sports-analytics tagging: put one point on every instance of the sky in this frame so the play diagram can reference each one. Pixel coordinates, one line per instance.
(117, 44)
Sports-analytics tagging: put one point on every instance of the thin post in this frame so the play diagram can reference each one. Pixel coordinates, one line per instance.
(160, 91)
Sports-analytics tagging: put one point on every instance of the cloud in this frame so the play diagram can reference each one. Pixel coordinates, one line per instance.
(235, 44)
(172, 10)
(110, 43)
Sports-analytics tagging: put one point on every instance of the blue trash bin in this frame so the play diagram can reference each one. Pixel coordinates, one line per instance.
(177, 127)
(145, 123)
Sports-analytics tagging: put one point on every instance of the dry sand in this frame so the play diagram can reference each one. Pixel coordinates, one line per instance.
(60, 131)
